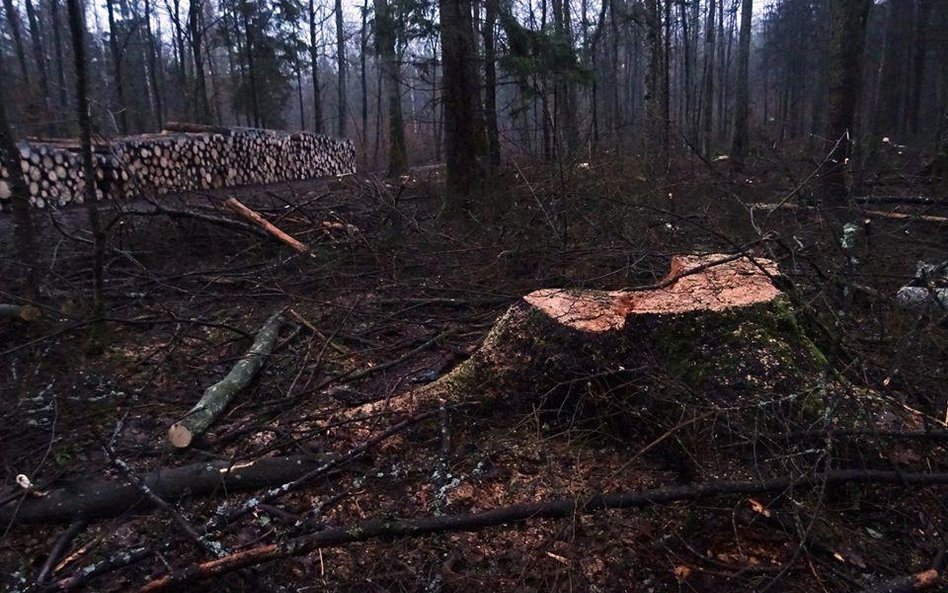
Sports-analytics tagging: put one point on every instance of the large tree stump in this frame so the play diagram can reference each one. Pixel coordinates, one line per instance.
(716, 332)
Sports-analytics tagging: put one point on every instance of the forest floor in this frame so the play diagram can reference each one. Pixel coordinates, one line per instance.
(399, 297)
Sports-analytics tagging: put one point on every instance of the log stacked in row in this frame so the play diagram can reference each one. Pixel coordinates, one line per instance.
(176, 161)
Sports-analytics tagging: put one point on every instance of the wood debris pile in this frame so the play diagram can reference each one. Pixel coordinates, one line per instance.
(182, 158)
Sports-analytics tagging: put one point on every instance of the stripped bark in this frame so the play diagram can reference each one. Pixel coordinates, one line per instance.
(218, 396)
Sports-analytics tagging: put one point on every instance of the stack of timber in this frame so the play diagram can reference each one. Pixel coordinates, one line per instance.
(185, 157)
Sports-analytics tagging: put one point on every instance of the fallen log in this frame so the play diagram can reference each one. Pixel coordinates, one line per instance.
(218, 396)
(265, 224)
(389, 528)
(109, 498)
(21, 312)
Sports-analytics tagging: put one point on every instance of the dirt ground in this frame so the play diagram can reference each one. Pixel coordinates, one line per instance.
(398, 293)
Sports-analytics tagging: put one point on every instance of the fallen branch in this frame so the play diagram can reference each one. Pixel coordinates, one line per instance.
(59, 549)
(108, 498)
(311, 475)
(913, 200)
(263, 223)
(162, 210)
(218, 396)
(387, 528)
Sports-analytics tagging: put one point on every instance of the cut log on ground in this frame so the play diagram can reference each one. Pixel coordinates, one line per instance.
(266, 225)
(921, 298)
(108, 498)
(21, 312)
(716, 324)
(218, 396)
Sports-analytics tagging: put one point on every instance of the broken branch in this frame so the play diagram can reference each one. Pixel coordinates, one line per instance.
(238, 208)
(556, 509)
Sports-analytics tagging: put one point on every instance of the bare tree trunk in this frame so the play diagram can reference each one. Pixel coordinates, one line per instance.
(60, 60)
(463, 127)
(251, 69)
(314, 65)
(364, 48)
(299, 95)
(845, 83)
(742, 104)
(490, 82)
(23, 232)
(654, 83)
(117, 67)
(153, 67)
(390, 70)
(923, 11)
(13, 20)
(40, 59)
(196, 28)
(343, 103)
(77, 30)
(708, 99)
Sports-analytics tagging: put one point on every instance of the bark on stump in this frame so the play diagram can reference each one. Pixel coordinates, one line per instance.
(716, 333)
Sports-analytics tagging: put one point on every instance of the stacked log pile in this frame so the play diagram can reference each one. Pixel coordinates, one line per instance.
(184, 157)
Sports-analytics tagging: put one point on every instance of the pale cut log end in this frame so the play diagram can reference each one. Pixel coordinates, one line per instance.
(180, 435)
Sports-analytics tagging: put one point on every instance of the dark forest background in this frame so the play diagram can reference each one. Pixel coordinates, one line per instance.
(554, 78)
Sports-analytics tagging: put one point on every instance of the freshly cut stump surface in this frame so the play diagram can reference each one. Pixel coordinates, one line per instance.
(715, 332)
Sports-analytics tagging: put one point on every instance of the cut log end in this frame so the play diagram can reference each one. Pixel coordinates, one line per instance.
(180, 435)
(694, 283)
(20, 312)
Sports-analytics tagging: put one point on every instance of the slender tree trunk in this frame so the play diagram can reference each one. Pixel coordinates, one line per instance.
(923, 11)
(299, 95)
(490, 83)
(314, 65)
(846, 48)
(654, 85)
(40, 58)
(390, 70)
(117, 67)
(60, 60)
(77, 30)
(363, 50)
(195, 25)
(341, 65)
(708, 99)
(892, 81)
(13, 20)
(23, 231)
(153, 67)
(742, 103)
(251, 70)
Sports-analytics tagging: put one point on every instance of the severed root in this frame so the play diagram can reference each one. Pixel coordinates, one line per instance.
(553, 335)
(218, 396)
